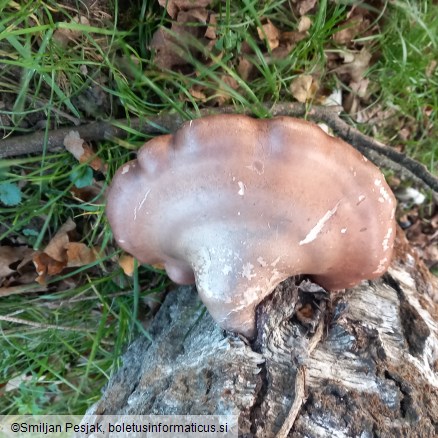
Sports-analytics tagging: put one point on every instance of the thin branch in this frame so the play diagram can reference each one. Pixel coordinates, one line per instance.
(22, 289)
(380, 154)
(42, 325)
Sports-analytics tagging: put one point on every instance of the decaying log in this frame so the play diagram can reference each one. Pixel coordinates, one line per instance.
(359, 363)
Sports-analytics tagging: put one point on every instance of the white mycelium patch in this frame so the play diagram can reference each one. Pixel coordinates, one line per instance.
(386, 239)
(384, 194)
(247, 271)
(313, 233)
(226, 269)
(382, 266)
(241, 188)
(262, 262)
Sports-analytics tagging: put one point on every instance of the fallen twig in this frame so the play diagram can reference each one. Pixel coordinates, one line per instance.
(380, 154)
(42, 325)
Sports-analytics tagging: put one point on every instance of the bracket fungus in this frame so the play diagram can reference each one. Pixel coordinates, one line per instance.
(237, 205)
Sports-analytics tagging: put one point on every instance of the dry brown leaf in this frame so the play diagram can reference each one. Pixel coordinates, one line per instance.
(190, 24)
(210, 33)
(304, 24)
(127, 263)
(45, 266)
(89, 193)
(197, 93)
(304, 6)
(79, 254)
(288, 41)
(61, 253)
(92, 159)
(63, 36)
(16, 381)
(74, 144)
(166, 51)
(353, 27)
(56, 249)
(223, 94)
(360, 87)
(169, 52)
(353, 99)
(10, 255)
(83, 152)
(355, 64)
(304, 88)
(269, 33)
(174, 6)
(245, 68)
(292, 37)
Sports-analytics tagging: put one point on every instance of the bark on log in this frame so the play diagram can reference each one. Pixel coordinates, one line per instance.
(361, 363)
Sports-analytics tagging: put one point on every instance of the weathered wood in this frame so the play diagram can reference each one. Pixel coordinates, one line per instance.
(361, 363)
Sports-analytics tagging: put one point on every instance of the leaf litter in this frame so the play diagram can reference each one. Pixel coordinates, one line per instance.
(61, 253)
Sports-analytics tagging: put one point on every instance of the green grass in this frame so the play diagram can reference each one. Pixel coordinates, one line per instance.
(407, 80)
(44, 84)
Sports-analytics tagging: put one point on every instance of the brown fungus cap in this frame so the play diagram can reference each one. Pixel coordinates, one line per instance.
(237, 205)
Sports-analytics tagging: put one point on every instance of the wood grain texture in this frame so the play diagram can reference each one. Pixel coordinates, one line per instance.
(361, 363)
